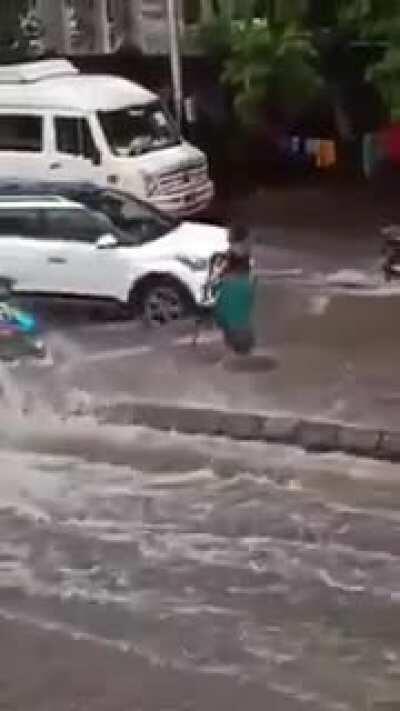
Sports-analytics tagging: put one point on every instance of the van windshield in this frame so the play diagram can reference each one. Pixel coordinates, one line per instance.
(135, 130)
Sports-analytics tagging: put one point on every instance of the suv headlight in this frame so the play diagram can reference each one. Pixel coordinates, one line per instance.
(196, 264)
(150, 183)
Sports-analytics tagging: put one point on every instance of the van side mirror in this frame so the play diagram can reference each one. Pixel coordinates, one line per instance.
(96, 157)
(106, 241)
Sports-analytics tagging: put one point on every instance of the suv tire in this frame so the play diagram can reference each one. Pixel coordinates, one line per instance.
(160, 301)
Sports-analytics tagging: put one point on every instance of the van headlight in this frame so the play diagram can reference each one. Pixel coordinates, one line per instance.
(150, 184)
(196, 264)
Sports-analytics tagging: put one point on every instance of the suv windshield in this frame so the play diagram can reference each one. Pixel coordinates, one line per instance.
(136, 130)
(136, 223)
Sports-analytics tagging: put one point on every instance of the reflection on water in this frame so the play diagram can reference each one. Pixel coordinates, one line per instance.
(257, 565)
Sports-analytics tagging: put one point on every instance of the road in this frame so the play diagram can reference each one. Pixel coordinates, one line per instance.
(142, 570)
(327, 344)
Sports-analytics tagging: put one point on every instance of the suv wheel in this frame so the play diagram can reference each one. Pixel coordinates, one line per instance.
(162, 301)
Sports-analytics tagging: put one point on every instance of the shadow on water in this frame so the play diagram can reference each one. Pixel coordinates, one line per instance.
(252, 364)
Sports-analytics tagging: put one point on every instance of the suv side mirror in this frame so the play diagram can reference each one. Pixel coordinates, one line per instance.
(107, 241)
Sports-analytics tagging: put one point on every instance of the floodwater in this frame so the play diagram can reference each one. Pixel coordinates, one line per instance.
(143, 570)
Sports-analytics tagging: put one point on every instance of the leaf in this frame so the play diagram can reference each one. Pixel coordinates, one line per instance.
(270, 63)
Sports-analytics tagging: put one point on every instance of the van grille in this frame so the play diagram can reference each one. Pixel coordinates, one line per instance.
(178, 180)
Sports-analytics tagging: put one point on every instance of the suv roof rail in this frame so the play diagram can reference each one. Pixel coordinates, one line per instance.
(40, 187)
(31, 198)
(35, 71)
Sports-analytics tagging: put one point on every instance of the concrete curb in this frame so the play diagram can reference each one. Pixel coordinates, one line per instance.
(311, 435)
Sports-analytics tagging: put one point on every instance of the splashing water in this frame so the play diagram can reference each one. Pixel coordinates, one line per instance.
(251, 570)
(15, 399)
(29, 388)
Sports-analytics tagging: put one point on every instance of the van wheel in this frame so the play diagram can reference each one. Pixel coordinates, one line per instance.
(162, 301)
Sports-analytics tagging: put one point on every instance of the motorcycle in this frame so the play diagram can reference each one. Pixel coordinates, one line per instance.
(20, 333)
(391, 252)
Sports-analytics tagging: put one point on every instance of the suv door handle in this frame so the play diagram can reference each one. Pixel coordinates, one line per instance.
(57, 260)
(55, 166)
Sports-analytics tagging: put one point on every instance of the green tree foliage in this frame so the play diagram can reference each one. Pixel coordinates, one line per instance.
(215, 38)
(359, 37)
(385, 75)
(367, 18)
(276, 50)
(267, 57)
(274, 65)
(383, 26)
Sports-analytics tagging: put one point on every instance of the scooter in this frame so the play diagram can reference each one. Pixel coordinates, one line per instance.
(391, 252)
(20, 333)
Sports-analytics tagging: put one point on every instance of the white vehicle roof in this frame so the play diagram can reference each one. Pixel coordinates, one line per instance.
(57, 84)
(23, 202)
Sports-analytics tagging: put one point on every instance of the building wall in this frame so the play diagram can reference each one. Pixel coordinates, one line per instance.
(103, 26)
(152, 20)
(86, 26)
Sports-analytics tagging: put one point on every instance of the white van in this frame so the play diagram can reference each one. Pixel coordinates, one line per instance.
(59, 124)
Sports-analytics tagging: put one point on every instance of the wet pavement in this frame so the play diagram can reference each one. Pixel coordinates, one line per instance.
(150, 571)
(142, 570)
(327, 343)
(321, 352)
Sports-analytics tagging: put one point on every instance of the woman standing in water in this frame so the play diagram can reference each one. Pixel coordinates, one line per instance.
(235, 293)
(232, 287)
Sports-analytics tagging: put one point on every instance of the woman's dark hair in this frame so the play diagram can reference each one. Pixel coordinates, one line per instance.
(238, 233)
(238, 264)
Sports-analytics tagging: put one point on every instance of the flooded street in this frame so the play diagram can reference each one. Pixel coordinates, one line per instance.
(141, 570)
(144, 571)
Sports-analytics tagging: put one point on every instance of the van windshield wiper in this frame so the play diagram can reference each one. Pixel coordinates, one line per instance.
(155, 147)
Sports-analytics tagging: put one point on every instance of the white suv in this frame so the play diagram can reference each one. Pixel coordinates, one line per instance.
(109, 246)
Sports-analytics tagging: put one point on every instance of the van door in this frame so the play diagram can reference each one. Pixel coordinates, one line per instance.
(23, 145)
(75, 155)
